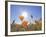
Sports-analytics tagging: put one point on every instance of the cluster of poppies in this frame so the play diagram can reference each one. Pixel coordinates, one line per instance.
(24, 23)
(25, 26)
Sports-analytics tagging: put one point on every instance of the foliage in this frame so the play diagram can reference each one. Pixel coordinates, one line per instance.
(30, 27)
(24, 26)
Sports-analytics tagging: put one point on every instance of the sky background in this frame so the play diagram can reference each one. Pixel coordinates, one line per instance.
(17, 10)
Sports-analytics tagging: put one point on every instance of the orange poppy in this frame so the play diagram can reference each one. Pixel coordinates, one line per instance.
(16, 25)
(21, 17)
(24, 23)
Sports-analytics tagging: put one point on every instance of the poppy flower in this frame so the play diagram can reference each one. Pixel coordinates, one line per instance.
(24, 23)
(21, 17)
(17, 25)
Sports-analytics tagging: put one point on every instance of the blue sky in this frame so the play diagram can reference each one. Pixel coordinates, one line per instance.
(17, 10)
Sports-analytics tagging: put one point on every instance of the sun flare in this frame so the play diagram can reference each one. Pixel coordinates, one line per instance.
(24, 14)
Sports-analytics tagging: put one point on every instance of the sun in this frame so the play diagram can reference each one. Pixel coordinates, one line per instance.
(24, 14)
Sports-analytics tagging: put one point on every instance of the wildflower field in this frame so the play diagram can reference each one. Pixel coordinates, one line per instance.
(15, 27)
